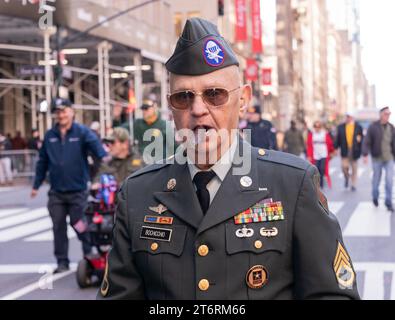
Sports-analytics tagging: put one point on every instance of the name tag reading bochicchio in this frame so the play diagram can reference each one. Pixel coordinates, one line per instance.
(153, 233)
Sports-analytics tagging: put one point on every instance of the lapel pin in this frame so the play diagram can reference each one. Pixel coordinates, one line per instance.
(262, 152)
(246, 181)
(171, 184)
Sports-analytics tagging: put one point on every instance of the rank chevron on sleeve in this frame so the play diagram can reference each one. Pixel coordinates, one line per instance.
(342, 266)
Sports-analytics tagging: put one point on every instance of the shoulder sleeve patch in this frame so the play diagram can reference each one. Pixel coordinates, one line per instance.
(343, 269)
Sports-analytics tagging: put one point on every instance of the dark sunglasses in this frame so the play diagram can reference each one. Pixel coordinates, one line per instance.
(212, 97)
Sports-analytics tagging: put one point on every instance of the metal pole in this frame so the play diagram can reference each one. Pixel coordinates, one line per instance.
(47, 50)
(163, 93)
(138, 80)
(33, 96)
(107, 86)
(131, 118)
(41, 116)
(138, 91)
(101, 88)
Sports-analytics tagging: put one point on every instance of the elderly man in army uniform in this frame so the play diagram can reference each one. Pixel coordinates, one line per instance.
(203, 230)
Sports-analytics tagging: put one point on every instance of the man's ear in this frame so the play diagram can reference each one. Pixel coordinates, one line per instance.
(246, 96)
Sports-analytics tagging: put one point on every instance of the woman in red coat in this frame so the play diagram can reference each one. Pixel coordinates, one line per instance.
(319, 150)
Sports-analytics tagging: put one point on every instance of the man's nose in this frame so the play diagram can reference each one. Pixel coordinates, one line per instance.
(199, 107)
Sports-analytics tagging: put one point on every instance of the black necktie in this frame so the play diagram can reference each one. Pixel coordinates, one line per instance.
(201, 180)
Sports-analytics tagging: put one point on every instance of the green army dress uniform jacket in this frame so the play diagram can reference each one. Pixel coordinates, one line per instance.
(194, 256)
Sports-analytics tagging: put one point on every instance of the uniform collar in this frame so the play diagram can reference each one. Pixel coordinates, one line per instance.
(222, 167)
(182, 200)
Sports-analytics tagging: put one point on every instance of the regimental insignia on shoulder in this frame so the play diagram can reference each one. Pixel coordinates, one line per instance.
(321, 197)
(343, 269)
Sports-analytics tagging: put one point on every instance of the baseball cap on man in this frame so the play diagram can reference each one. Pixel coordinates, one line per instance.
(61, 104)
(385, 109)
(120, 134)
(147, 104)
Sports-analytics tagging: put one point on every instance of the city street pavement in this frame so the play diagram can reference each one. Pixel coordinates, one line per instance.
(26, 258)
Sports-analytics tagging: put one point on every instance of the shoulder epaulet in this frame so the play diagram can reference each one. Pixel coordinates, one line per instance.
(150, 168)
(282, 158)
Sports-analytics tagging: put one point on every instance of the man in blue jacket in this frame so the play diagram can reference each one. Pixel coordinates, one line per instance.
(64, 154)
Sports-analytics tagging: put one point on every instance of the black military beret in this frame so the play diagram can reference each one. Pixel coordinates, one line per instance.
(200, 50)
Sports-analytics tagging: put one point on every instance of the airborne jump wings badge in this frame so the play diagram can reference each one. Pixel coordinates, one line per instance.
(343, 269)
(159, 209)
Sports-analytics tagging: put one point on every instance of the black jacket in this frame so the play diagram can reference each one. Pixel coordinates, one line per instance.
(262, 135)
(341, 141)
(372, 141)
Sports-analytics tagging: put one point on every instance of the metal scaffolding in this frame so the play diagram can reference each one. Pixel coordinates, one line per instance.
(96, 73)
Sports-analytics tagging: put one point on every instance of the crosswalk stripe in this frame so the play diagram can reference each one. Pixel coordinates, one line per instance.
(374, 279)
(367, 221)
(8, 189)
(361, 172)
(48, 235)
(25, 229)
(20, 218)
(335, 206)
(11, 211)
(30, 268)
(35, 286)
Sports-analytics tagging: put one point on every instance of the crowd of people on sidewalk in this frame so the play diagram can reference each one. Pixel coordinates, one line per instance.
(12, 160)
(320, 145)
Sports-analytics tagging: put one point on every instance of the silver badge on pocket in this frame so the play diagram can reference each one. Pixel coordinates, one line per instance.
(269, 233)
(244, 232)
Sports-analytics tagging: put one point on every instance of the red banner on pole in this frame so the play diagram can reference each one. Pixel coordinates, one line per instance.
(252, 70)
(267, 76)
(256, 27)
(131, 100)
(241, 20)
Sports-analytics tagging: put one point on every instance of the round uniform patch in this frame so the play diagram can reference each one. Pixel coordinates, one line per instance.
(256, 277)
(213, 53)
